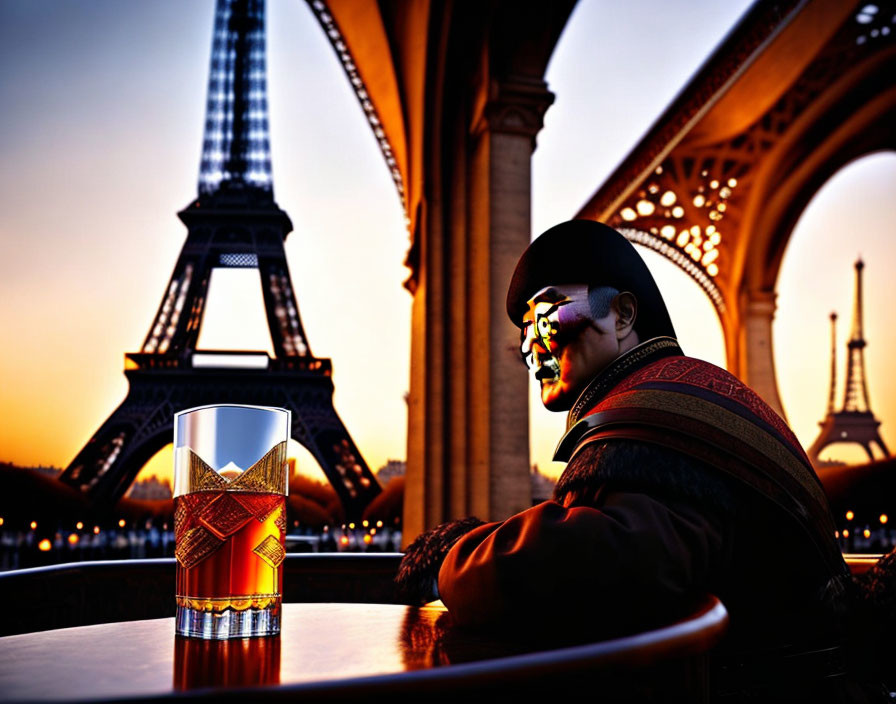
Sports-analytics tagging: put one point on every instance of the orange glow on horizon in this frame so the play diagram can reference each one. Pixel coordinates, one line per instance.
(161, 464)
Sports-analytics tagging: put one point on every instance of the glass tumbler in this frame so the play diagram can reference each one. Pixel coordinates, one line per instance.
(230, 486)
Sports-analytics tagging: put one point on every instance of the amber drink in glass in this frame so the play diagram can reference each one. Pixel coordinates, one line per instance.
(230, 485)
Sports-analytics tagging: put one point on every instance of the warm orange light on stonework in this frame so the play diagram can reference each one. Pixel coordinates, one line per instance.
(44, 545)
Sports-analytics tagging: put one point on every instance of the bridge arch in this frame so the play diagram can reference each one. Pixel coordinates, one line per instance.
(850, 216)
(854, 119)
(722, 177)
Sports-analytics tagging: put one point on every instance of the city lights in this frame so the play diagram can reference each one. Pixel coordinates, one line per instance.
(121, 523)
(79, 525)
(883, 518)
(44, 545)
(866, 533)
(73, 538)
(33, 525)
(850, 515)
(96, 530)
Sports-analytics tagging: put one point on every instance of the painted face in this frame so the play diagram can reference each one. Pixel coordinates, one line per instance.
(564, 345)
(556, 315)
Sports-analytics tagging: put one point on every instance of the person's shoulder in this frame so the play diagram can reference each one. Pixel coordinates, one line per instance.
(644, 466)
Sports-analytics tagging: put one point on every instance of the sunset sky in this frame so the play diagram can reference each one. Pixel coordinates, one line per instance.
(103, 108)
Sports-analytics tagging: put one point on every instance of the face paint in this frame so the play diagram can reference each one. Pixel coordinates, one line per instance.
(553, 318)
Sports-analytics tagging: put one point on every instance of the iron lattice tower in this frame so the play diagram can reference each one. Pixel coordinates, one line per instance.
(854, 422)
(234, 222)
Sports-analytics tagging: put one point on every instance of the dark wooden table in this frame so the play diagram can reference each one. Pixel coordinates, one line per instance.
(325, 651)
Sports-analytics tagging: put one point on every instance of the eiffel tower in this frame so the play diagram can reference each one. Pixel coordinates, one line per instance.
(234, 222)
(854, 422)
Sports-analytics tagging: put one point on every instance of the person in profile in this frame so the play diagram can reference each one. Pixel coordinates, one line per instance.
(680, 480)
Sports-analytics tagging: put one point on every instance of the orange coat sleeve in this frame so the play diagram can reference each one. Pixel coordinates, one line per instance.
(620, 564)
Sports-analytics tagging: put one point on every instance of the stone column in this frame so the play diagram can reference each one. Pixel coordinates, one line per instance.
(757, 351)
(503, 141)
(468, 429)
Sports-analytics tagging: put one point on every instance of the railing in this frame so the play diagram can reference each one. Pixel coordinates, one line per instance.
(858, 564)
(86, 593)
(236, 360)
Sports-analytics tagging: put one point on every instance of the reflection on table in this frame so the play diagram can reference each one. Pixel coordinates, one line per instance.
(241, 662)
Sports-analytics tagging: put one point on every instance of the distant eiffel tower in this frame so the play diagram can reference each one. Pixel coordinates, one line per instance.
(854, 422)
(234, 222)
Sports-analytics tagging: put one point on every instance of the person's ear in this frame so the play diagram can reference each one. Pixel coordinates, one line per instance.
(625, 305)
